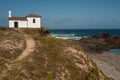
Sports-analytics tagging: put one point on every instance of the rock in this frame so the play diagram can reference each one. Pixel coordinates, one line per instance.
(44, 32)
(100, 42)
(102, 35)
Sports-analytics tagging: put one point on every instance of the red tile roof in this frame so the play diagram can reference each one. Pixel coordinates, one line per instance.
(17, 18)
(33, 15)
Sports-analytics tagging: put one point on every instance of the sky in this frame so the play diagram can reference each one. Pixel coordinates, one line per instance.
(66, 14)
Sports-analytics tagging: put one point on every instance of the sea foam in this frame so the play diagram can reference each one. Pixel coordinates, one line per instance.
(67, 36)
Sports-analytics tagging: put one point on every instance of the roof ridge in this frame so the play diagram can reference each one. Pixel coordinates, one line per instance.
(33, 15)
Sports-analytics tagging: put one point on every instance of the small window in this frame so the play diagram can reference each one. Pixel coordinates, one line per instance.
(33, 20)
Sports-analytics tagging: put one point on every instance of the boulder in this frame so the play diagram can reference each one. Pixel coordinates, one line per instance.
(100, 42)
(102, 35)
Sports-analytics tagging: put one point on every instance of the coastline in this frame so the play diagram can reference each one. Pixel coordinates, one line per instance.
(96, 42)
(108, 63)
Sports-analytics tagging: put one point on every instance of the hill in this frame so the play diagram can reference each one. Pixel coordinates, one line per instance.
(26, 54)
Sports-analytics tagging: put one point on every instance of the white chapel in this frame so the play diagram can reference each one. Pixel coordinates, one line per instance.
(29, 21)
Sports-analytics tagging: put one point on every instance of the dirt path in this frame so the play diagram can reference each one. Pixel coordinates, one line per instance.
(107, 69)
(30, 45)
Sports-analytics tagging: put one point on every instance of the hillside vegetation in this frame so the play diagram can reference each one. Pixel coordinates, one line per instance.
(51, 59)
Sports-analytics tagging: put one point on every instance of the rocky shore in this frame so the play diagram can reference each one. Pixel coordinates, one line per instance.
(100, 42)
(108, 63)
(97, 48)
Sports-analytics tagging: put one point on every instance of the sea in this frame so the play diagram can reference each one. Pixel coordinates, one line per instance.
(77, 34)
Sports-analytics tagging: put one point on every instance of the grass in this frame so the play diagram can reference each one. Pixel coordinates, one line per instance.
(7, 55)
(49, 60)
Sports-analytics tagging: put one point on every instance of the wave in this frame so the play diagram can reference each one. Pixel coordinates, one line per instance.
(67, 36)
(63, 35)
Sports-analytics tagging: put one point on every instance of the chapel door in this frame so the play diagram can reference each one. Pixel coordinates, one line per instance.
(16, 24)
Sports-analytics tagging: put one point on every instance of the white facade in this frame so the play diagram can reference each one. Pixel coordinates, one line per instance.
(21, 24)
(29, 21)
(37, 23)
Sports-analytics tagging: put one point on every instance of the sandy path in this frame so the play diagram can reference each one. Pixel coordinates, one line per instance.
(107, 69)
(30, 45)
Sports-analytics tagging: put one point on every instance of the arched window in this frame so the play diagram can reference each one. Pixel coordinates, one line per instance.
(33, 20)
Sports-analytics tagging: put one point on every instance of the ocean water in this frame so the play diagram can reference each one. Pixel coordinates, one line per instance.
(76, 34)
(117, 51)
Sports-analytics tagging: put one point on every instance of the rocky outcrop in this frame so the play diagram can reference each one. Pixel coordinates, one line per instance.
(100, 42)
(102, 35)
(44, 32)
